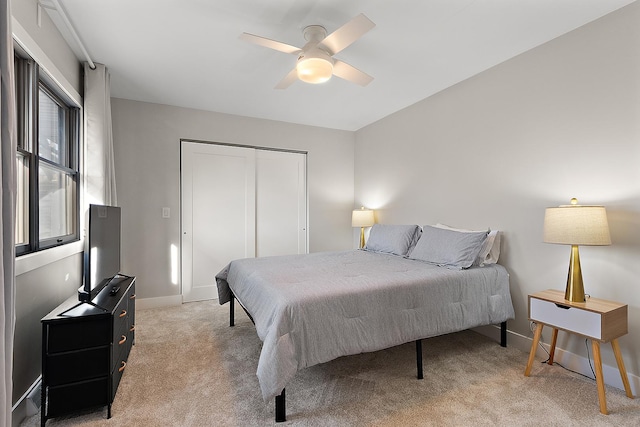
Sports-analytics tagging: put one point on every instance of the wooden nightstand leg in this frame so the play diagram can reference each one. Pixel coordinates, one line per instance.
(534, 346)
(621, 368)
(597, 361)
(552, 350)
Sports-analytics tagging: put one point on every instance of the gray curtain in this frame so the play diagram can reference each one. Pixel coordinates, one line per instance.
(8, 144)
(100, 169)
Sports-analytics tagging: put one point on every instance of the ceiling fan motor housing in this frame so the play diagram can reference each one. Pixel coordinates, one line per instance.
(314, 33)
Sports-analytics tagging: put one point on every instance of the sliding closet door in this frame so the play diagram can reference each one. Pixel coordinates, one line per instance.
(238, 202)
(218, 213)
(281, 203)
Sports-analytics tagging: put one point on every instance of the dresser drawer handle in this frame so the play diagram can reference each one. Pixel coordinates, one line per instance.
(123, 340)
(124, 313)
(124, 365)
(132, 328)
(132, 296)
(565, 307)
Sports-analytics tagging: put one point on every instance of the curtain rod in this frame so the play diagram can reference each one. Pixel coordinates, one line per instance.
(63, 14)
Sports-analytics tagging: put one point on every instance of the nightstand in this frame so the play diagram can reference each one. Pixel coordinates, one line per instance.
(596, 319)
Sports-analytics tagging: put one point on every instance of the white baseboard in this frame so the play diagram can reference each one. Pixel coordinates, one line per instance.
(567, 359)
(145, 303)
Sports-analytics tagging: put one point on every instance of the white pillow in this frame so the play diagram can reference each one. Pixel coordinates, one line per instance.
(448, 248)
(490, 251)
(393, 239)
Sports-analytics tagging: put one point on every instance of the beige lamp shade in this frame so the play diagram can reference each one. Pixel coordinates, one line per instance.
(576, 225)
(362, 218)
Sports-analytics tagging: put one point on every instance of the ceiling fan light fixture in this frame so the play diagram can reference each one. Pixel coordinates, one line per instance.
(314, 69)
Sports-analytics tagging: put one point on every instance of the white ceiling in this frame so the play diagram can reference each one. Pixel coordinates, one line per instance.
(187, 52)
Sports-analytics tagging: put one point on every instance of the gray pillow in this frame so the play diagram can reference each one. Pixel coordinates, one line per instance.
(392, 239)
(448, 248)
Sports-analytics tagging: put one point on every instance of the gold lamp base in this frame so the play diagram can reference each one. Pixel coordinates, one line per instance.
(575, 287)
(361, 237)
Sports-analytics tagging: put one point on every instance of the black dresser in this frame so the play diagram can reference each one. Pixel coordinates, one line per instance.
(85, 347)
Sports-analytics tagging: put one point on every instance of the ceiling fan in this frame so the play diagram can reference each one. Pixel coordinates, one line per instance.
(316, 63)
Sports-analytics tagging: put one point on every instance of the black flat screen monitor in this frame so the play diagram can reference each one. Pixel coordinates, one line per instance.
(102, 250)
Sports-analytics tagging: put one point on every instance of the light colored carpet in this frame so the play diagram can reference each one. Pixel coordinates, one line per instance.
(189, 368)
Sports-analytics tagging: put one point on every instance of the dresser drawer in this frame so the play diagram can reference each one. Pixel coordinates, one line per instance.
(132, 311)
(572, 319)
(121, 350)
(77, 365)
(120, 319)
(68, 398)
(67, 336)
(116, 376)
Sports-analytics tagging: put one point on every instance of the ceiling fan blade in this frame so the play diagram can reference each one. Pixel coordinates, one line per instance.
(288, 80)
(271, 44)
(347, 34)
(350, 73)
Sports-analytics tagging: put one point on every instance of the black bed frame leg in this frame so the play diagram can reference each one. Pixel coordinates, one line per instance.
(231, 314)
(419, 358)
(503, 334)
(281, 410)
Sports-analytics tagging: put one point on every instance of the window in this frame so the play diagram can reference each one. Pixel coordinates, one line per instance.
(47, 161)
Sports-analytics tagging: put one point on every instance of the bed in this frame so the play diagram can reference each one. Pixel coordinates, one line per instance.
(409, 283)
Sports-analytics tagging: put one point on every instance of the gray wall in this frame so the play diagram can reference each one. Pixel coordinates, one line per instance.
(147, 159)
(37, 293)
(559, 121)
(48, 40)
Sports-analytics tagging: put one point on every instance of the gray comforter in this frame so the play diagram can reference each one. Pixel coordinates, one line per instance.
(310, 309)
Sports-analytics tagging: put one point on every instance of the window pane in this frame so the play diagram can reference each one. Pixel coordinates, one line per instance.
(51, 131)
(22, 200)
(56, 202)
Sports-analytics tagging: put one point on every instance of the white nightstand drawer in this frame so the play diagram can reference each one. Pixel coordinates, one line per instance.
(572, 319)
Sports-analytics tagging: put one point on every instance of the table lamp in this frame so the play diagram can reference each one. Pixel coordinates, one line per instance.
(576, 225)
(362, 218)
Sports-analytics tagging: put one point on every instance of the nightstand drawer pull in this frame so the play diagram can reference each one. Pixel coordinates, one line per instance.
(124, 313)
(124, 365)
(132, 328)
(563, 306)
(132, 296)
(123, 340)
